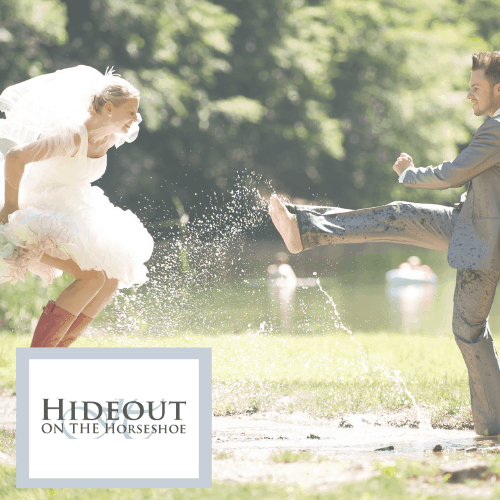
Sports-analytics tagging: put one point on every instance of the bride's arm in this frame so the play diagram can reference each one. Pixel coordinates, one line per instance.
(19, 156)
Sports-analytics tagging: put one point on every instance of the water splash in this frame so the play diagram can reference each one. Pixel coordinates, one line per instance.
(192, 267)
(391, 374)
(192, 290)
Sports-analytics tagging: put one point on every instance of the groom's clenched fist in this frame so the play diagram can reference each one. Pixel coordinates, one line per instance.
(402, 163)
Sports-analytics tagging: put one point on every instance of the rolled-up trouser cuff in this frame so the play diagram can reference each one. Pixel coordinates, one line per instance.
(317, 226)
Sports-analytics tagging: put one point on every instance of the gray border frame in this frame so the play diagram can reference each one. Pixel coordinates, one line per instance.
(203, 354)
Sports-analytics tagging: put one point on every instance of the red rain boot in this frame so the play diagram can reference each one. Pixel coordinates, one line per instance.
(80, 324)
(52, 325)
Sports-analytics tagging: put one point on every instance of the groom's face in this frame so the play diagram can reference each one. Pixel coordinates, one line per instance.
(484, 96)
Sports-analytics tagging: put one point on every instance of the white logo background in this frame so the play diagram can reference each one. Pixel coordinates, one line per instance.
(112, 455)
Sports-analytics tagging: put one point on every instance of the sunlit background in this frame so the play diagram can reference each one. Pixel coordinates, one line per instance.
(314, 99)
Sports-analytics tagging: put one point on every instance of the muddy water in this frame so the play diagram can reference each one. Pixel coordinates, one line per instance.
(250, 449)
(354, 436)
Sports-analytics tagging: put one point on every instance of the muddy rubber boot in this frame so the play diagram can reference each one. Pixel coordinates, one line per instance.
(52, 326)
(80, 324)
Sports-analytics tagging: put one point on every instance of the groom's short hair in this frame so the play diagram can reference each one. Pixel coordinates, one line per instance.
(490, 63)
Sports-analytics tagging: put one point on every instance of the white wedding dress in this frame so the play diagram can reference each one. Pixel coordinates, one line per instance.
(63, 215)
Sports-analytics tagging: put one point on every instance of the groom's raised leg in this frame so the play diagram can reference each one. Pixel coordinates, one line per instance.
(427, 226)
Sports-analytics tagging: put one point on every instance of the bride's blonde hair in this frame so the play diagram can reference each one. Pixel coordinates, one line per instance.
(116, 92)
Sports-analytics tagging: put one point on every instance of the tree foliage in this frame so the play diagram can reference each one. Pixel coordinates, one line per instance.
(318, 95)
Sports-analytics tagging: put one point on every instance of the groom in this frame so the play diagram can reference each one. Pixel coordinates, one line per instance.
(470, 233)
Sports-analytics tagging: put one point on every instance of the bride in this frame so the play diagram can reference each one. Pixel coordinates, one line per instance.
(53, 220)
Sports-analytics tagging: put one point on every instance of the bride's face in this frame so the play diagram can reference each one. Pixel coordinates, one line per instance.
(123, 116)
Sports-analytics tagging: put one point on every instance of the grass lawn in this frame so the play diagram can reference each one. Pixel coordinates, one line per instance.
(393, 482)
(327, 375)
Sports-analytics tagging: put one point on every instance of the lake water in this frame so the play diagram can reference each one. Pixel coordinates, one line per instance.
(235, 298)
(354, 276)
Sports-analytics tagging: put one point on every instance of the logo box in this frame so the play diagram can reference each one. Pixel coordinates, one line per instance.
(114, 418)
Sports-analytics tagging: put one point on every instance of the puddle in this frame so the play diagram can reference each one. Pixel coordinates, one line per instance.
(250, 449)
(261, 435)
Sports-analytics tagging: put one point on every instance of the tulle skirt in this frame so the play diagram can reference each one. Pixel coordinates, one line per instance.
(75, 222)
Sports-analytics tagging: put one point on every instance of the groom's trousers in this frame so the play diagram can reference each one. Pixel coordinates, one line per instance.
(427, 226)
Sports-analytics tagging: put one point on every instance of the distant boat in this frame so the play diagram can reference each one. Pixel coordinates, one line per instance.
(398, 277)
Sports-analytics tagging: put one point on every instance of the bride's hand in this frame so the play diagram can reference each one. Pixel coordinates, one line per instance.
(5, 212)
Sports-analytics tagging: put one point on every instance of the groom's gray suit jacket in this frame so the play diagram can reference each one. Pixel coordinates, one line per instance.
(475, 242)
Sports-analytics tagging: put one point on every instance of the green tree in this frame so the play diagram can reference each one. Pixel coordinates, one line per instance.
(319, 96)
